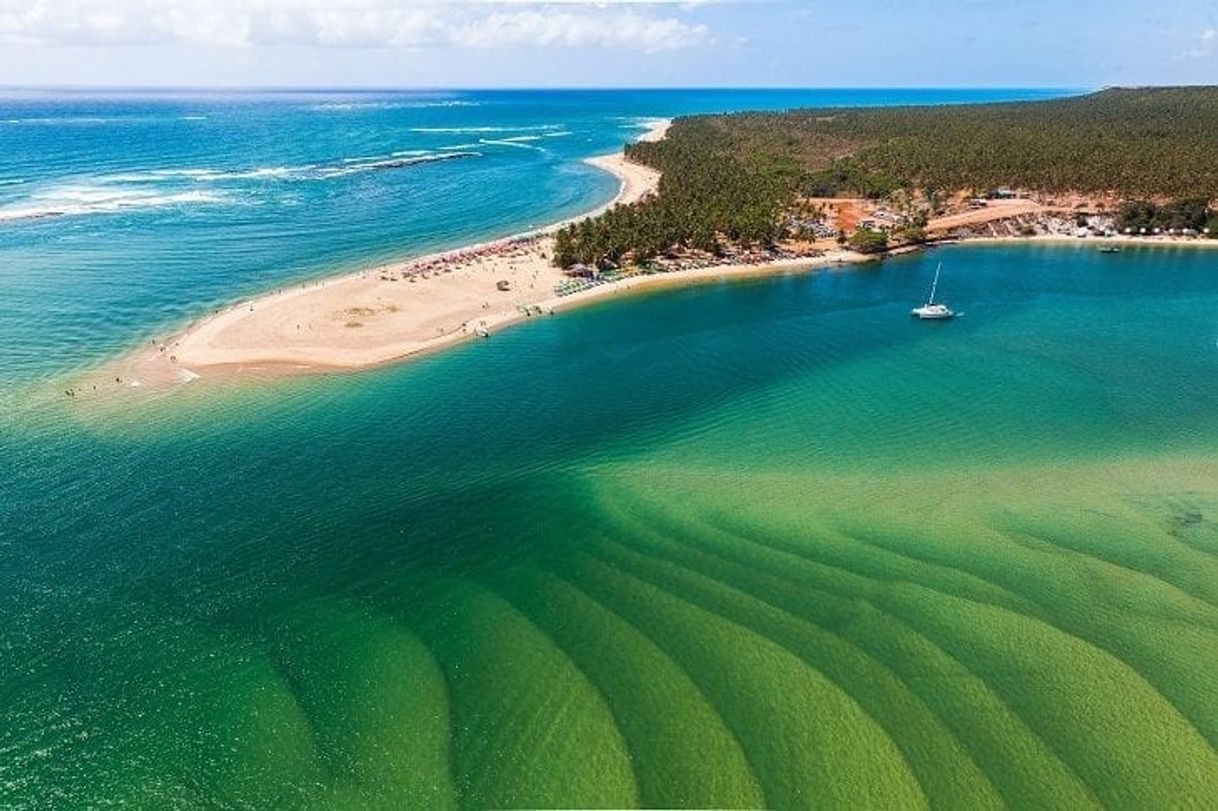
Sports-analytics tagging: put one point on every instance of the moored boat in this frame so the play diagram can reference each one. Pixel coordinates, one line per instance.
(932, 311)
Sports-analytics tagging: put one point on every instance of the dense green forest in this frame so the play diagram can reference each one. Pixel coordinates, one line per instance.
(1191, 213)
(731, 177)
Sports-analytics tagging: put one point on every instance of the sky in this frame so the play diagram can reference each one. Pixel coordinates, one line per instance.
(611, 43)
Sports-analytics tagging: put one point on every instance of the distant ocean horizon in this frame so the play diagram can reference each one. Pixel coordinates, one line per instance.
(47, 89)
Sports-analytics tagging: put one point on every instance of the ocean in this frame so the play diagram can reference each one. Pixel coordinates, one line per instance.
(765, 542)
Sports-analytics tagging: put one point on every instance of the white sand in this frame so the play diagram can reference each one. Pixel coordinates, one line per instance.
(382, 314)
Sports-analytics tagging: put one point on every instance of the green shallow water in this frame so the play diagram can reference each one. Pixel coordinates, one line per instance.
(754, 544)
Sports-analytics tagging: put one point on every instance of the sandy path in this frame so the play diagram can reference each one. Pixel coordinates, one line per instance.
(995, 210)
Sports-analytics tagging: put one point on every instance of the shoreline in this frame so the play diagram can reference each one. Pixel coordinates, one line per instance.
(553, 304)
(385, 314)
(1099, 242)
(222, 344)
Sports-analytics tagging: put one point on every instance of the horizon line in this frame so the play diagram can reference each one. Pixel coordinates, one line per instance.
(560, 88)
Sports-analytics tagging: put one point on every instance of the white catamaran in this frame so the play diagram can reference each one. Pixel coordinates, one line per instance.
(930, 310)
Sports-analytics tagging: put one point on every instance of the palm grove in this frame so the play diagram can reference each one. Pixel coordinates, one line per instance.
(729, 179)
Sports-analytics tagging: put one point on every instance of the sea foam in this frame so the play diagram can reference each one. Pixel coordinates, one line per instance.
(309, 171)
(80, 200)
(477, 130)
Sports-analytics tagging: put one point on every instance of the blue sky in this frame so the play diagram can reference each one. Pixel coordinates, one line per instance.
(492, 43)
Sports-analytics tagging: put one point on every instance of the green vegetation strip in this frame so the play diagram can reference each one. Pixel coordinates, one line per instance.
(728, 178)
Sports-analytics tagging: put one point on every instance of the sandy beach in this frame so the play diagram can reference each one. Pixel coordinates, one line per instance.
(1089, 242)
(382, 314)
(403, 309)
(377, 317)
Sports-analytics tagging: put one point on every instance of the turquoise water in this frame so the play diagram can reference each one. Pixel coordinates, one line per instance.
(766, 542)
(756, 543)
(123, 213)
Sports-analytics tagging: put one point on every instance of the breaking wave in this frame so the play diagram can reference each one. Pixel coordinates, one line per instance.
(59, 120)
(79, 200)
(380, 164)
(349, 106)
(508, 142)
(483, 130)
(308, 171)
(159, 188)
(528, 138)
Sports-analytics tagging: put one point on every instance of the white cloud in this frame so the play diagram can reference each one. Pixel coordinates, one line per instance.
(547, 27)
(1204, 46)
(351, 23)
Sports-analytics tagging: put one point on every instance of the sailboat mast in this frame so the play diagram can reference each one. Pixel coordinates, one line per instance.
(935, 285)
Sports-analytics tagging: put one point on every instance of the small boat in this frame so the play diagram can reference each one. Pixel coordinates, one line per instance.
(930, 311)
(1110, 249)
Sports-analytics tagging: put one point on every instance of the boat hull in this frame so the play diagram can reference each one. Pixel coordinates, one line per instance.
(935, 312)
